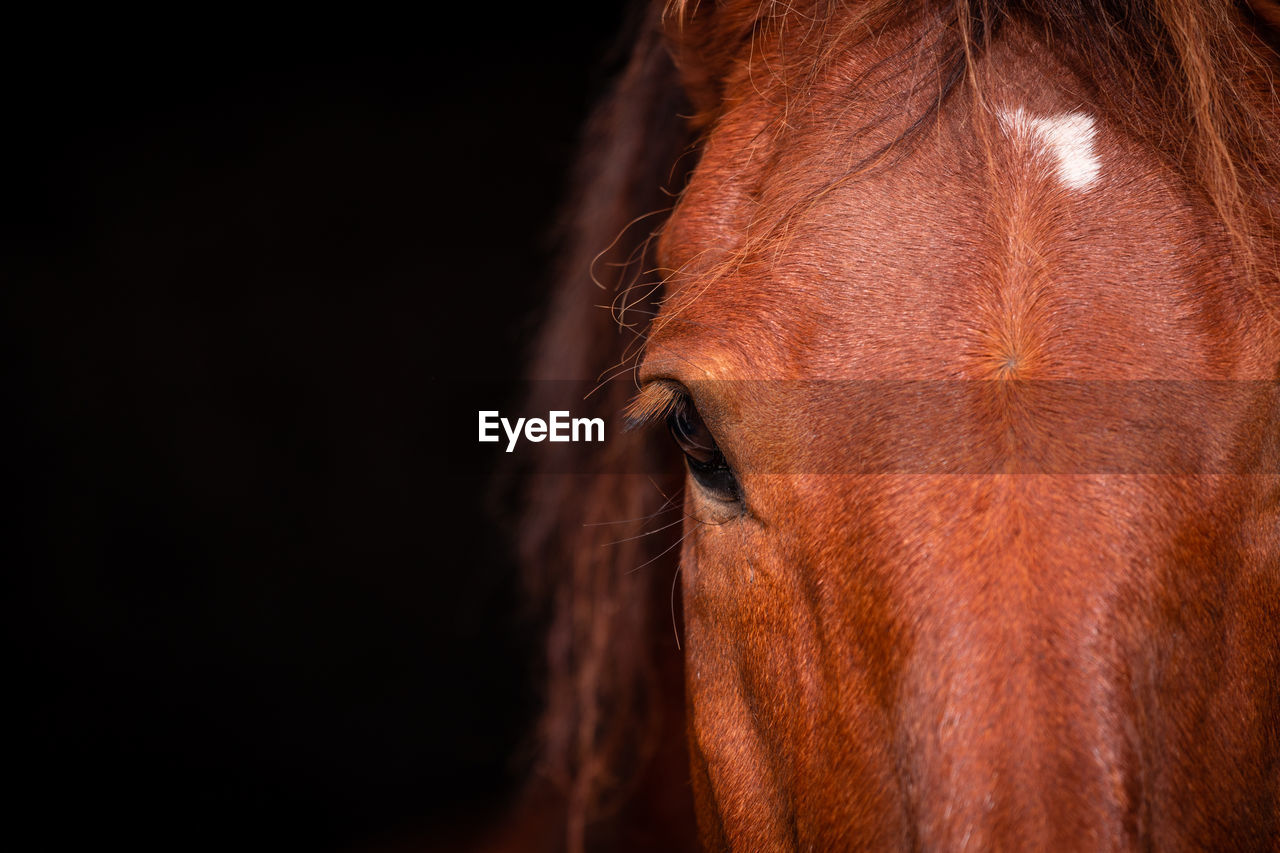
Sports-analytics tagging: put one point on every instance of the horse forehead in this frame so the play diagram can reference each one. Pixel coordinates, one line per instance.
(772, 222)
(1032, 242)
(775, 150)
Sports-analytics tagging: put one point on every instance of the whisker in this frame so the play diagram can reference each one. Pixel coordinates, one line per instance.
(701, 524)
(664, 552)
(670, 497)
(647, 533)
(675, 628)
(666, 507)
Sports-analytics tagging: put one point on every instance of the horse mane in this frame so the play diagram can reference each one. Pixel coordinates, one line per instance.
(601, 688)
(1190, 78)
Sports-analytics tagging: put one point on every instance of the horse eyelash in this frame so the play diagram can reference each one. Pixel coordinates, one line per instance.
(655, 401)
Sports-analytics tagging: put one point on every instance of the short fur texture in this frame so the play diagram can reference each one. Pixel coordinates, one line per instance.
(1019, 660)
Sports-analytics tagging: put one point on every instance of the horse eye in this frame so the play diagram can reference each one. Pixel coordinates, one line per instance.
(706, 463)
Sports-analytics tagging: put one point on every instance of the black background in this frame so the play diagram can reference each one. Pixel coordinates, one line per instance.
(247, 264)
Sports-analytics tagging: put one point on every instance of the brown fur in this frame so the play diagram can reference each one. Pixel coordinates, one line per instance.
(1023, 660)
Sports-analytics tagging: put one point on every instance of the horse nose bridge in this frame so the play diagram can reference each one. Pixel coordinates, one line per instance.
(1006, 753)
(1016, 717)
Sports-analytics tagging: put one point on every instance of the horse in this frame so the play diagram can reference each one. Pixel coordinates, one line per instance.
(947, 517)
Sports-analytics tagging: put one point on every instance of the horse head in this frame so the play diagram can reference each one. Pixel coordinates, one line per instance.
(964, 324)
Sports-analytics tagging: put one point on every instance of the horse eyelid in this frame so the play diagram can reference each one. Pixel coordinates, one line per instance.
(656, 401)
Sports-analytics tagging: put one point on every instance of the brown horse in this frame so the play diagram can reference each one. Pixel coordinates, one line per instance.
(964, 321)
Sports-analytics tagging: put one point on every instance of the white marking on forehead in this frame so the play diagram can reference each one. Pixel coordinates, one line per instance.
(1068, 138)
